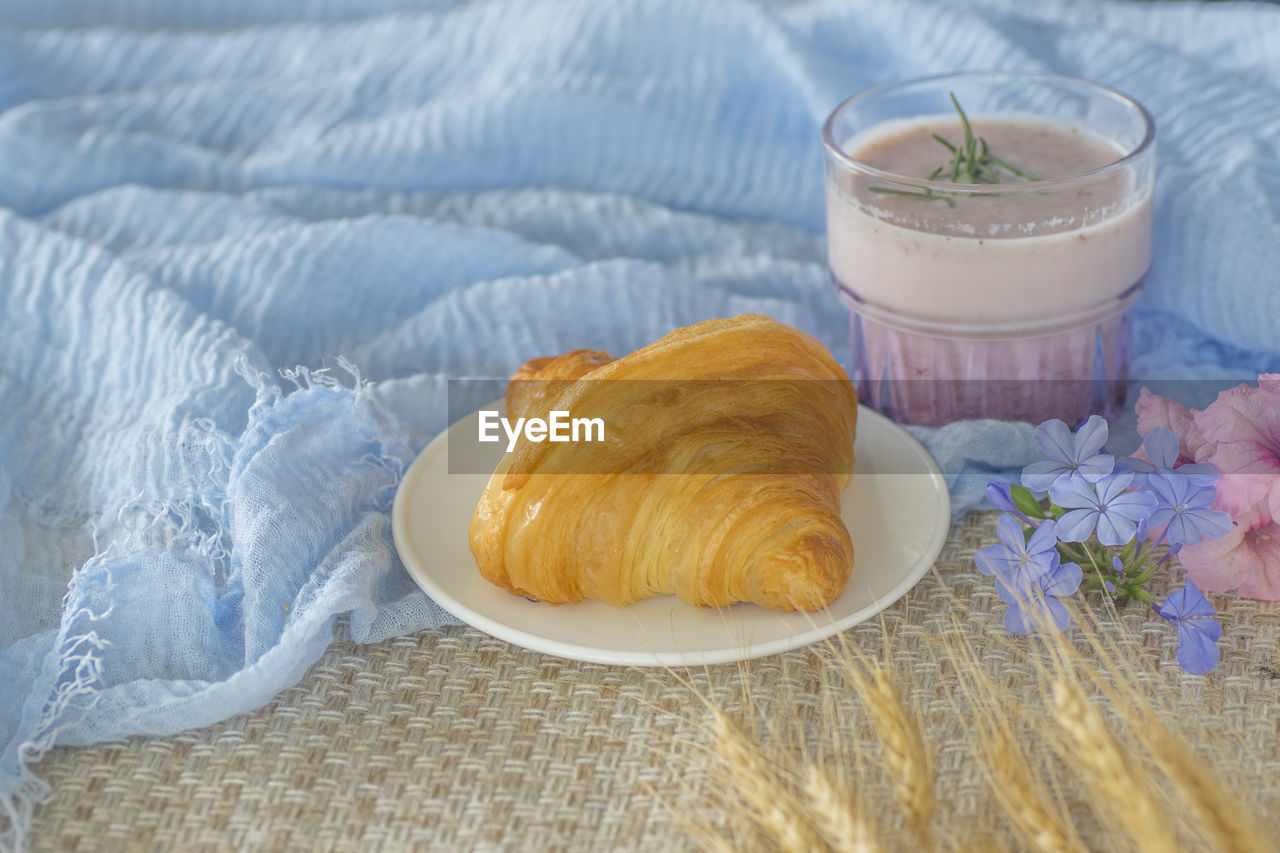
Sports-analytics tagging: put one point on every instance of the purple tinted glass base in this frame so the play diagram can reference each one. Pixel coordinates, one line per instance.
(920, 378)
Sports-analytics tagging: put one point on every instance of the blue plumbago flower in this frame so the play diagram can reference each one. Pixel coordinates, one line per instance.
(1079, 455)
(1185, 509)
(1104, 505)
(1015, 554)
(1001, 497)
(1118, 566)
(1033, 599)
(1162, 449)
(1198, 632)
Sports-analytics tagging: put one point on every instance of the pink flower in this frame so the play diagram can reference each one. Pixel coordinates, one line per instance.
(1155, 411)
(1241, 431)
(1240, 434)
(1246, 559)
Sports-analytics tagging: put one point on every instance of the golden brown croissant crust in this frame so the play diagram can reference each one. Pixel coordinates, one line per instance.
(753, 510)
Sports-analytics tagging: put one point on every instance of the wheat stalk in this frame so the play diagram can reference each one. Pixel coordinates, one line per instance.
(1218, 815)
(905, 753)
(1137, 774)
(1015, 785)
(1115, 782)
(774, 808)
(837, 815)
(1019, 793)
(1227, 827)
(1118, 786)
(715, 843)
(902, 742)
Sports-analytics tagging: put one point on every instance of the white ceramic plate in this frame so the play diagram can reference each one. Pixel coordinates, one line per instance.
(896, 507)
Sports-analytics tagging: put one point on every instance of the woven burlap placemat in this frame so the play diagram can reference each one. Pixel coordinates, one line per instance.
(451, 739)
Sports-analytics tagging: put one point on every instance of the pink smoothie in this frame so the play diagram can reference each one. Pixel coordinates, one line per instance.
(1019, 282)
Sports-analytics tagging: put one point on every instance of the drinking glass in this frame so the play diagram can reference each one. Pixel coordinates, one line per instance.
(1010, 300)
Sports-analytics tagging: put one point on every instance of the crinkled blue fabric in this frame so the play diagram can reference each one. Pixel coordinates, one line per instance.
(244, 245)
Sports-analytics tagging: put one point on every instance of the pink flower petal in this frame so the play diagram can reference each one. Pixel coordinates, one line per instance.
(1239, 433)
(1156, 411)
(1238, 494)
(1243, 414)
(1262, 580)
(1245, 425)
(1247, 559)
(1213, 564)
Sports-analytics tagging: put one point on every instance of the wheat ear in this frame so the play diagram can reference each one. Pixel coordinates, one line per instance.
(1014, 783)
(773, 806)
(1216, 814)
(1227, 827)
(837, 815)
(902, 742)
(1018, 791)
(1114, 781)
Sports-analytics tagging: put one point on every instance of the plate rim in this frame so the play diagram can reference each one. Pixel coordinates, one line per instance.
(592, 654)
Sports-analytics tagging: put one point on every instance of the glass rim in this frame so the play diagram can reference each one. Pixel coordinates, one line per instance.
(835, 150)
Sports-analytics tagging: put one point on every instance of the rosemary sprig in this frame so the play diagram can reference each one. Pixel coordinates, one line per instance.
(927, 195)
(971, 162)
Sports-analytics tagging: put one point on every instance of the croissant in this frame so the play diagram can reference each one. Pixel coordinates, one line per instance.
(718, 491)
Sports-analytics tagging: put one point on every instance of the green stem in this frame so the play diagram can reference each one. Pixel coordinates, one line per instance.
(927, 195)
(971, 162)
(996, 161)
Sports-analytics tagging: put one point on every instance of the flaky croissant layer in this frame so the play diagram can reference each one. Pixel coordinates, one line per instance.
(718, 491)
